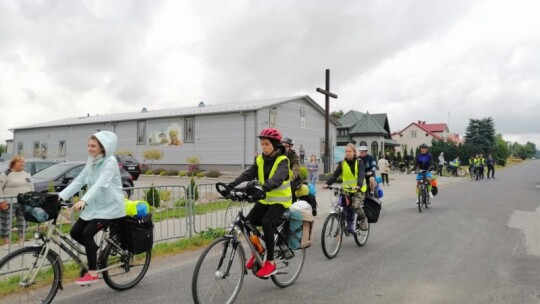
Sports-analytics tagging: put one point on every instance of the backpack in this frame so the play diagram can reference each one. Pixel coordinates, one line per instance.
(39, 207)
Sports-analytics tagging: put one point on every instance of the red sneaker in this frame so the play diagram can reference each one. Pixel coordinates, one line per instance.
(87, 279)
(267, 270)
(250, 262)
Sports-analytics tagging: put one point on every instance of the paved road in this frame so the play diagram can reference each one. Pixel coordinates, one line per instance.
(479, 243)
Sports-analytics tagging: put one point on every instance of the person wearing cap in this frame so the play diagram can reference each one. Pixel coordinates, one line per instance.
(103, 201)
(351, 170)
(273, 198)
(370, 166)
(423, 162)
(294, 163)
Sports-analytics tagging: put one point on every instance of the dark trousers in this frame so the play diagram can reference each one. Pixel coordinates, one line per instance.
(83, 232)
(491, 169)
(384, 177)
(266, 216)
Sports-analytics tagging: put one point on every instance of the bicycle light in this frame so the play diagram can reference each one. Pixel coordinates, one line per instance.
(37, 235)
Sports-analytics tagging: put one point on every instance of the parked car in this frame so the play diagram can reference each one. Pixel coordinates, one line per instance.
(130, 164)
(59, 176)
(33, 166)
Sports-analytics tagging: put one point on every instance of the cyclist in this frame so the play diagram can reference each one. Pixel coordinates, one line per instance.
(103, 201)
(490, 162)
(351, 170)
(423, 162)
(471, 166)
(370, 166)
(273, 198)
(454, 165)
(294, 163)
(481, 162)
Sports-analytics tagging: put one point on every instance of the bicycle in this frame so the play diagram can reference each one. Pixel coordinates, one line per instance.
(341, 220)
(34, 273)
(449, 171)
(220, 270)
(423, 194)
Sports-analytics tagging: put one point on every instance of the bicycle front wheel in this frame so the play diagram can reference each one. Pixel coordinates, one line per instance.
(461, 172)
(27, 276)
(332, 235)
(127, 269)
(219, 272)
(419, 199)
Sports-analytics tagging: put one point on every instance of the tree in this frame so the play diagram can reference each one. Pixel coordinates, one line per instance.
(480, 135)
(152, 154)
(501, 151)
(337, 114)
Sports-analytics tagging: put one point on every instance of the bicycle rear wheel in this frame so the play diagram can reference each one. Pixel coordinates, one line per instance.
(332, 235)
(127, 269)
(219, 272)
(289, 264)
(461, 172)
(419, 198)
(361, 236)
(27, 276)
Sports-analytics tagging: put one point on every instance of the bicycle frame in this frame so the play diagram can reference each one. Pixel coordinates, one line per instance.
(342, 210)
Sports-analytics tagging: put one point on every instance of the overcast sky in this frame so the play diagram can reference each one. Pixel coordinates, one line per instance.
(436, 61)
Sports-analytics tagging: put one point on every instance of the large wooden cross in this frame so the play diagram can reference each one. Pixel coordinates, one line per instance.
(326, 92)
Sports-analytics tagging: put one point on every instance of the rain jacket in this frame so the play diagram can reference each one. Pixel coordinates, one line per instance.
(104, 196)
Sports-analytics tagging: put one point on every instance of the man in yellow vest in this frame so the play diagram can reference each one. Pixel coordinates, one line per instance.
(274, 197)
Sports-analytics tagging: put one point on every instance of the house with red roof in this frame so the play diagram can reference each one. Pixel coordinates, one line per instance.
(420, 132)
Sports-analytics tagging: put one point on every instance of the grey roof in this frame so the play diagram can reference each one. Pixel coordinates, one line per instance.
(176, 112)
(365, 123)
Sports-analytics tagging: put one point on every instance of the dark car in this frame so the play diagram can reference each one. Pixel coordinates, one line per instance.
(130, 164)
(33, 166)
(59, 176)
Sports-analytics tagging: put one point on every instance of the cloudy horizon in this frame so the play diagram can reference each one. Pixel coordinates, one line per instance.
(434, 61)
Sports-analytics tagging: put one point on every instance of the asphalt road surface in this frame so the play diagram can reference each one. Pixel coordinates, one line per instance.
(478, 243)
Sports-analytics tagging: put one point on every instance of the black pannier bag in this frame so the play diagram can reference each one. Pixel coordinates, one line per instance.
(138, 236)
(39, 207)
(372, 209)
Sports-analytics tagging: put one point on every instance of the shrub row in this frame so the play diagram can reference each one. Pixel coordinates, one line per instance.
(162, 172)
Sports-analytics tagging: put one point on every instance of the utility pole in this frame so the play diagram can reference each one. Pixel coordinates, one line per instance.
(327, 94)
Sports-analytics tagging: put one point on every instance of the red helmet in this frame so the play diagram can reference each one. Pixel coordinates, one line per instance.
(270, 133)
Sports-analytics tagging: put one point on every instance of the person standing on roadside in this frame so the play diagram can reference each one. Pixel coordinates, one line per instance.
(12, 182)
(302, 153)
(313, 169)
(490, 162)
(384, 167)
(441, 163)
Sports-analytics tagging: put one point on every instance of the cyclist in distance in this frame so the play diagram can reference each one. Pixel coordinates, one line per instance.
(273, 198)
(423, 162)
(370, 166)
(351, 170)
(103, 201)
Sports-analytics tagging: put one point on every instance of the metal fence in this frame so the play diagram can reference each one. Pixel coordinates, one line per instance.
(181, 212)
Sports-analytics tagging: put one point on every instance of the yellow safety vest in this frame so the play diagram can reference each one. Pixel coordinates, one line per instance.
(282, 194)
(349, 179)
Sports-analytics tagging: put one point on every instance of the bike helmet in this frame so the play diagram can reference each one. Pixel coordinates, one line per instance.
(362, 148)
(423, 146)
(287, 140)
(270, 133)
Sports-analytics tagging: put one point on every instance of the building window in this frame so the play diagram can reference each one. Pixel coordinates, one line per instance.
(363, 143)
(343, 132)
(20, 148)
(302, 112)
(37, 150)
(189, 129)
(413, 134)
(141, 132)
(43, 151)
(62, 148)
(374, 149)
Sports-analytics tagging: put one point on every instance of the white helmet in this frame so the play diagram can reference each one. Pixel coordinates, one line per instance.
(362, 148)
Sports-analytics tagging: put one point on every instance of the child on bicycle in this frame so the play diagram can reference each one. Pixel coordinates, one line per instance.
(273, 198)
(103, 200)
(351, 170)
(423, 162)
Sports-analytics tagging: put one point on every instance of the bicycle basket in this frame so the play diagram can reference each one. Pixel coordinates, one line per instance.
(372, 209)
(39, 207)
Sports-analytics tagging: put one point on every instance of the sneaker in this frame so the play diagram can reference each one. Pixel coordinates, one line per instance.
(364, 224)
(250, 262)
(267, 270)
(430, 195)
(417, 201)
(87, 279)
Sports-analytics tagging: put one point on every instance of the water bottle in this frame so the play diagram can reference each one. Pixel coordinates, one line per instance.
(257, 243)
(39, 214)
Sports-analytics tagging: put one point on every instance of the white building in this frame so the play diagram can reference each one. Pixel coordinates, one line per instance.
(221, 136)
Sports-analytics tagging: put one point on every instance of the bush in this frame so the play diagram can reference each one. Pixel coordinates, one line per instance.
(158, 171)
(182, 173)
(501, 162)
(172, 173)
(200, 174)
(152, 196)
(149, 172)
(163, 173)
(213, 173)
(165, 195)
(193, 189)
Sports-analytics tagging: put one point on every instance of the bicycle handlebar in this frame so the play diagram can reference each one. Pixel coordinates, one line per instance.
(238, 193)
